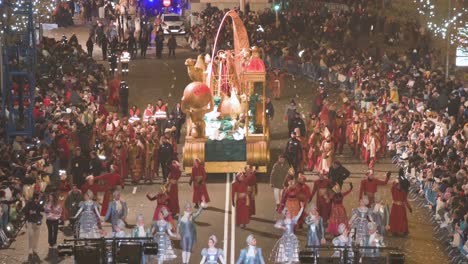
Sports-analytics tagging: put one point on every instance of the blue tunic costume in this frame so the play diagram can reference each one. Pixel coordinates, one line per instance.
(187, 231)
(211, 255)
(251, 255)
(315, 231)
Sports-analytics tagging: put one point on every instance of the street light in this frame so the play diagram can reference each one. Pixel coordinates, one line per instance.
(277, 8)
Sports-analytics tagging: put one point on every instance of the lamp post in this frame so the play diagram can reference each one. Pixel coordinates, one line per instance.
(277, 8)
(447, 42)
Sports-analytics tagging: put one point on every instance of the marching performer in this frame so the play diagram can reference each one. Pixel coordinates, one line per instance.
(211, 254)
(161, 231)
(338, 212)
(369, 186)
(323, 201)
(374, 239)
(315, 230)
(360, 219)
(286, 250)
(315, 141)
(187, 232)
(172, 187)
(398, 217)
(198, 179)
(251, 254)
(240, 200)
(90, 223)
(141, 232)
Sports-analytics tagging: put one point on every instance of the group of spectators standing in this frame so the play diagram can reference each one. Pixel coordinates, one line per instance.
(79, 150)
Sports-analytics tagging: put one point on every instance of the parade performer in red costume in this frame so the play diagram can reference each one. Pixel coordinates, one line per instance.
(251, 181)
(369, 186)
(162, 200)
(371, 144)
(304, 195)
(315, 141)
(240, 200)
(112, 180)
(64, 188)
(290, 199)
(198, 179)
(114, 87)
(173, 190)
(276, 82)
(338, 212)
(398, 217)
(321, 187)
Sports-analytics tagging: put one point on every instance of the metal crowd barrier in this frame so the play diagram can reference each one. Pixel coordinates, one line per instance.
(95, 250)
(352, 254)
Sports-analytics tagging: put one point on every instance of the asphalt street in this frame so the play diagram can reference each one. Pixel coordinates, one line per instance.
(150, 79)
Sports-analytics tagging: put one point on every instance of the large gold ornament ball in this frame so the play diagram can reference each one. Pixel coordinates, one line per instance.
(197, 95)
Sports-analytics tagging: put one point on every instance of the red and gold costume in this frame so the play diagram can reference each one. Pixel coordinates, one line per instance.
(162, 200)
(323, 201)
(64, 188)
(303, 196)
(338, 213)
(327, 152)
(290, 200)
(276, 83)
(111, 180)
(371, 144)
(173, 189)
(315, 141)
(369, 188)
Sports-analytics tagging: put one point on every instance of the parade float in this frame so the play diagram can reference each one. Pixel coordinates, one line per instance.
(227, 127)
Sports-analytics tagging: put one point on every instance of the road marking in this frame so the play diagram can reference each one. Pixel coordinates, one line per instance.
(226, 215)
(172, 86)
(233, 231)
(175, 78)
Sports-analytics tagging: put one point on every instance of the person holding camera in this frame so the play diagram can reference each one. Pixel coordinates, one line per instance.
(33, 213)
(53, 212)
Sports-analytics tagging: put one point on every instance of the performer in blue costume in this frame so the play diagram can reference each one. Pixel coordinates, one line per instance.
(315, 230)
(251, 254)
(286, 249)
(161, 229)
(211, 255)
(141, 232)
(187, 231)
(89, 217)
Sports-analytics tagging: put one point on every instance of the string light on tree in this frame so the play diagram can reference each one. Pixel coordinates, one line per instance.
(439, 24)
